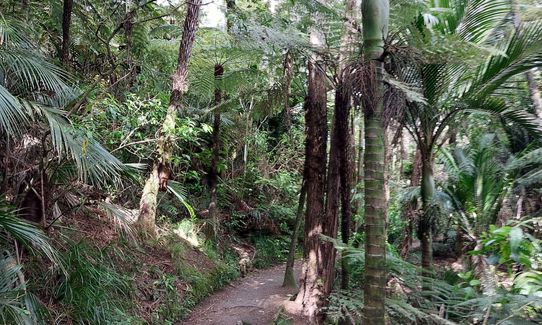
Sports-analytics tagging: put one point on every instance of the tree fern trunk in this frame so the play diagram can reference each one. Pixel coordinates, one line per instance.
(215, 147)
(314, 282)
(375, 15)
(147, 205)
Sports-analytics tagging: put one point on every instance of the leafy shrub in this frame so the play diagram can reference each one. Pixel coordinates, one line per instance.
(270, 250)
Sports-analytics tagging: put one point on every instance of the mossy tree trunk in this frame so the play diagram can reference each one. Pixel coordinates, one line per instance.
(375, 17)
(148, 202)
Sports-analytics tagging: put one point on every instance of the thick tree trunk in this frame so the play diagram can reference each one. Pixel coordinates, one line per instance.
(314, 285)
(147, 206)
(289, 275)
(342, 112)
(215, 147)
(66, 23)
(375, 15)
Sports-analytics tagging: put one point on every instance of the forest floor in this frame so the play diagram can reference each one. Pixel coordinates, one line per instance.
(255, 300)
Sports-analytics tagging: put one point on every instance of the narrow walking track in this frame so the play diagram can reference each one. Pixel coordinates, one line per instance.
(254, 300)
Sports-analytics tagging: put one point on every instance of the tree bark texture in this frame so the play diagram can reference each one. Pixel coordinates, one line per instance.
(412, 207)
(289, 275)
(314, 284)
(425, 221)
(375, 17)
(342, 131)
(147, 207)
(66, 23)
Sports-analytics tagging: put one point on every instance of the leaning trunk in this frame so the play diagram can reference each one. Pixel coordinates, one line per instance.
(215, 146)
(375, 15)
(66, 23)
(147, 207)
(289, 276)
(314, 283)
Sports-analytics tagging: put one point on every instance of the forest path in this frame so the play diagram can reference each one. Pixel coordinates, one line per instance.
(254, 300)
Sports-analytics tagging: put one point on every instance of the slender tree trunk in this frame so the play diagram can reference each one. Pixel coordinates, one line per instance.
(215, 146)
(375, 17)
(128, 26)
(411, 208)
(314, 284)
(147, 207)
(425, 222)
(534, 91)
(289, 276)
(360, 174)
(66, 23)
(288, 76)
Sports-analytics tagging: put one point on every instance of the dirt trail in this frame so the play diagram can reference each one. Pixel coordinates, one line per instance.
(254, 300)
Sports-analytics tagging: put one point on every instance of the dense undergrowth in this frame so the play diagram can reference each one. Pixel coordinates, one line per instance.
(116, 281)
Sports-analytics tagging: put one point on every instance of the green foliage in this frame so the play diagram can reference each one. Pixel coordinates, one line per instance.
(93, 290)
(270, 250)
(17, 305)
(507, 245)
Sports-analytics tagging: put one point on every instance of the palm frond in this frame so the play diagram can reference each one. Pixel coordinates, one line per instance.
(17, 306)
(122, 218)
(28, 235)
(94, 163)
(12, 114)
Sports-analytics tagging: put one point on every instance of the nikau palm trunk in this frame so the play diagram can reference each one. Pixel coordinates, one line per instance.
(425, 234)
(375, 15)
(147, 207)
